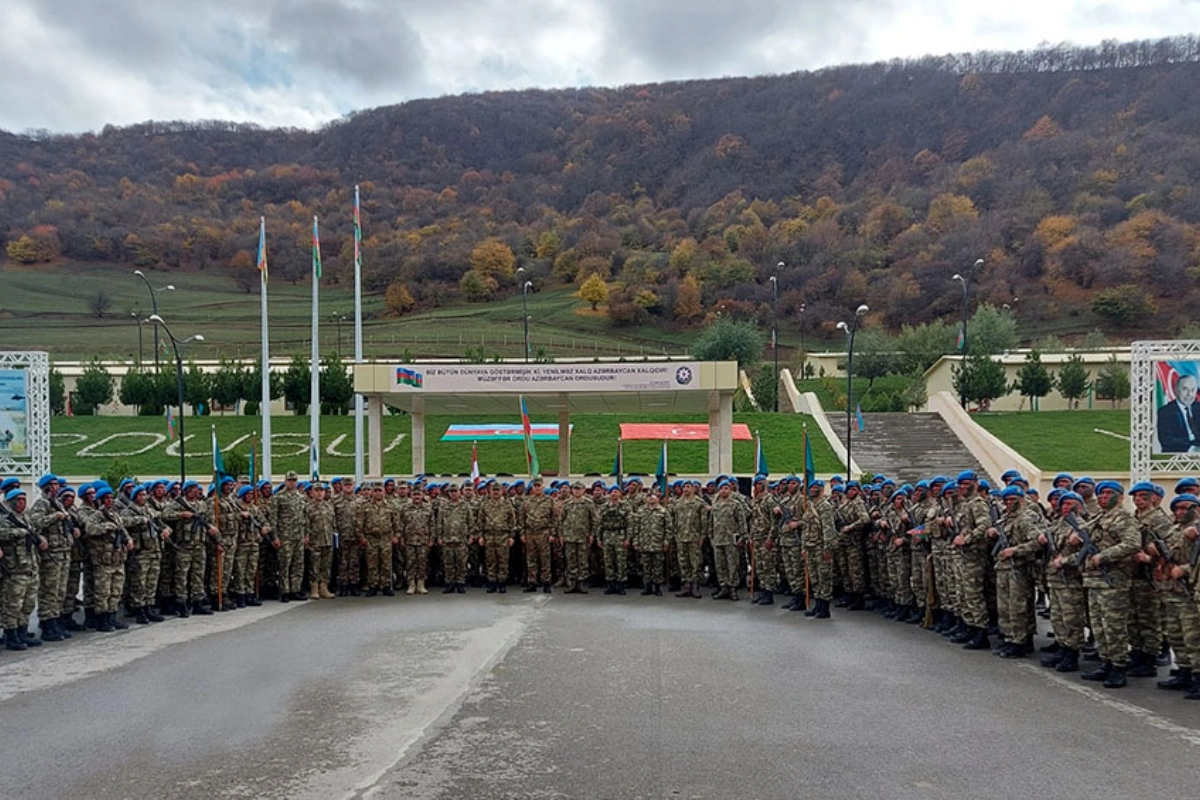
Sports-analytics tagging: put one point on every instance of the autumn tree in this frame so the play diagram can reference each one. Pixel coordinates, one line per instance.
(594, 290)
(687, 300)
(1124, 305)
(477, 287)
(398, 299)
(493, 258)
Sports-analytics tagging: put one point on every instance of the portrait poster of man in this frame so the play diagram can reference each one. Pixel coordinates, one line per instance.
(13, 413)
(1177, 419)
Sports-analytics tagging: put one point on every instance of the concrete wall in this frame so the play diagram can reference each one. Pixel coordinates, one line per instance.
(940, 377)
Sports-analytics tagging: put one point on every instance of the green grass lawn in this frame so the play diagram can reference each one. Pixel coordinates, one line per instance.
(1064, 440)
(831, 390)
(593, 445)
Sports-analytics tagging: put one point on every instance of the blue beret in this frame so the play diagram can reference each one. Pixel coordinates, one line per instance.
(13, 494)
(103, 493)
(1187, 497)
(1146, 486)
(967, 476)
(245, 490)
(1012, 491)
(47, 479)
(1113, 485)
(818, 483)
(1084, 480)
(1076, 496)
(1185, 484)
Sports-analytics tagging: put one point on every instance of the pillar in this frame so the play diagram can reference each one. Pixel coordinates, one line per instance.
(714, 442)
(725, 432)
(418, 437)
(564, 444)
(374, 436)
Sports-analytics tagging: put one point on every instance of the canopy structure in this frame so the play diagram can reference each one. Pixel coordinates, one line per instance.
(490, 390)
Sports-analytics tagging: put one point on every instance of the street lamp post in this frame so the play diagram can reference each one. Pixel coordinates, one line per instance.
(775, 327)
(525, 315)
(177, 346)
(339, 319)
(966, 293)
(803, 352)
(138, 319)
(850, 330)
(154, 307)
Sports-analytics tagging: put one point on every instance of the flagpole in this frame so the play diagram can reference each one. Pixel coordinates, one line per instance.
(217, 550)
(265, 406)
(358, 344)
(314, 406)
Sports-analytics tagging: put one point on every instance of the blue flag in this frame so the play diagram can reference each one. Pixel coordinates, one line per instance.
(661, 473)
(858, 418)
(218, 460)
(810, 469)
(760, 458)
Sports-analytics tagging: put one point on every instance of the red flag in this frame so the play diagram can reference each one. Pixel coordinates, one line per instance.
(70, 411)
(475, 463)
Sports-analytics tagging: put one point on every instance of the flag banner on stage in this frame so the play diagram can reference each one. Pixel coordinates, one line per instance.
(408, 377)
(631, 431)
(501, 432)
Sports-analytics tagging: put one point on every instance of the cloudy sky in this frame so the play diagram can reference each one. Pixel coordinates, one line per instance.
(72, 65)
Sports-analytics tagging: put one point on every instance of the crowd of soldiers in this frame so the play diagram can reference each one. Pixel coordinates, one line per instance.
(955, 555)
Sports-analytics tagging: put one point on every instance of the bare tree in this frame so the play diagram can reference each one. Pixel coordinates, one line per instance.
(99, 303)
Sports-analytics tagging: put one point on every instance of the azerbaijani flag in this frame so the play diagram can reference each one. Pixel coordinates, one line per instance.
(862, 425)
(262, 248)
(618, 468)
(661, 473)
(313, 471)
(500, 432)
(170, 423)
(962, 338)
(475, 464)
(760, 458)
(357, 232)
(531, 458)
(316, 252)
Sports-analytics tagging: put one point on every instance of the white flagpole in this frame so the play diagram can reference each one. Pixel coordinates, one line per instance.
(314, 406)
(359, 448)
(265, 407)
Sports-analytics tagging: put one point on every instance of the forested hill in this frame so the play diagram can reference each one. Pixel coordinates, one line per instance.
(1069, 170)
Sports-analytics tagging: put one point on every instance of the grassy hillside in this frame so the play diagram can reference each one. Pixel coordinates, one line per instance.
(1065, 440)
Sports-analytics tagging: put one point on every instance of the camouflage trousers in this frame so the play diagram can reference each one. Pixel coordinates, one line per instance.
(944, 581)
(577, 561)
(379, 561)
(400, 563)
(454, 560)
(223, 557)
(349, 556)
(245, 567)
(766, 566)
(166, 576)
(848, 552)
(18, 595)
(691, 560)
(322, 564)
(726, 561)
(792, 556)
(537, 557)
(652, 566)
(416, 558)
(291, 563)
(1068, 614)
(972, 573)
(142, 577)
(1109, 610)
(496, 554)
(1181, 621)
(1014, 601)
(53, 568)
(820, 567)
(616, 562)
(110, 582)
(919, 567)
(877, 561)
(1145, 617)
(71, 595)
(899, 569)
(188, 572)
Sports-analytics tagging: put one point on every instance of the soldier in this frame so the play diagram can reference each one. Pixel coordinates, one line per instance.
(972, 521)
(108, 543)
(226, 518)
(539, 522)
(321, 523)
(691, 524)
(819, 538)
(138, 519)
(19, 588)
(1086, 488)
(579, 520)
(250, 533)
(497, 528)
(345, 510)
(417, 524)
(1145, 619)
(376, 524)
(288, 515)
(614, 540)
(456, 522)
(165, 593)
(1014, 577)
(763, 555)
(653, 529)
(51, 521)
(729, 526)
(1107, 576)
(1068, 601)
(856, 524)
(894, 525)
(788, 511)
(190, 530)
(919, 551)
(1173, 573)
(66, 621)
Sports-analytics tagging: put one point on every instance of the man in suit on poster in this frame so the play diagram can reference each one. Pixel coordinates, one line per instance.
(1178, 420)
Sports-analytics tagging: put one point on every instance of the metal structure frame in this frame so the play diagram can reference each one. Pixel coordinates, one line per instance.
(37, 423)
(1143, 465)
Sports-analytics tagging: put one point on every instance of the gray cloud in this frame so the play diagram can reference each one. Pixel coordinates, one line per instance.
(80, 64)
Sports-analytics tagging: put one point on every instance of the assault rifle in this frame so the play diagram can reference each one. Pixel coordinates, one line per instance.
(199, 523)
(1088, 549)
(32, 540)
(120, 536)
(785, 516)
(1002, 542)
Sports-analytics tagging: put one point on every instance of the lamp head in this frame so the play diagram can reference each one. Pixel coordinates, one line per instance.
(978, 262)
(861, 310)
(841, 326)
(170, 287)
(199, 337)
(528, 284)
(956, 277)
(155, 318)
(780, 265)
(139, 272)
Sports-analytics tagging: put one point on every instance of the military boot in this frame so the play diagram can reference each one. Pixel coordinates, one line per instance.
(412, 587)
(799, 603)
(856, 602)
(90, 620)
(1193, 691)
(69, 623)
(142, 619)
(1069, 661)
(767, 599)
(822, 610)
(1163, 657)
(917, 615)
(1142, 665)
(200, 609)
(531, 588)
(387, 591)
(1100, 673)
(104, 623)
(239, 600)
(502, 587)
(300, 596)
(153, 615)
(1053, 660)
(449, 589)
(620, 586)
(546, 588)
(647, 590)
(314, 591)
(116, 623)
(252, 600)
(50, 631)
(62, 626)
(13, 640)
(27, 637)
(733, 595)
(965, 634)
(722, 593)
(1015, 650)
(1179, 683)
(580, 588)
(657, 590)
(979, 641)
(814, 609)
(1116, 678)
(687, 591)
(181, 608)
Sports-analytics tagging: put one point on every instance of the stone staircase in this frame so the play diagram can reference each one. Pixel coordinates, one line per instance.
(906, 447)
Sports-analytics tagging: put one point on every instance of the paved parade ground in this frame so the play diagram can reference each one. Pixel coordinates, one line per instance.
(535, 696)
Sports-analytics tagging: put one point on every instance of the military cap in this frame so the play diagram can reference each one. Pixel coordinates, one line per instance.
(1008, 475)
(13, 494)
(1065, 496)
(9, 483)
(291, 475)
(1082, 481)
(1183, 487)
(1186, 497)
(967, 476)
(578, 485)
(1011, 491)
(65, 491)
(46, 480)
(103, 493)
(1114, 486)
(1146, 486)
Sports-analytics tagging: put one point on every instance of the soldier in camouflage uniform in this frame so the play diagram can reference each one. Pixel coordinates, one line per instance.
(224, 514)
(288, 515)
(764, 558)
(345, 510)
(1014, 576)
(165, 594)
(456, 522)
(819, 537)
(894, 525)
(417, 526)
(1173, 575)
(578, 525)
(939, 537)
(398, 495)
(856, 524)
(19, 587)
(653, 529)
(614, 540)
(729, 526)
(919, 552)
(497, 528)
(250, 532)
(539, 522)
(973, 520)
(1107, 576)
(51, 522)
(1145, 618)
(108, 544)
(138, 519)
(691, 523)
(789, 511)
(375, 525)
(190, 528)
(1068, 601)
(321, 524)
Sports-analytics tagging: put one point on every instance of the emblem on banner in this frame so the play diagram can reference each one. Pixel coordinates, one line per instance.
(683, 376)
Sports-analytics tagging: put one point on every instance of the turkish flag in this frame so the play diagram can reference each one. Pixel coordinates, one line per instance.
(679, 432)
